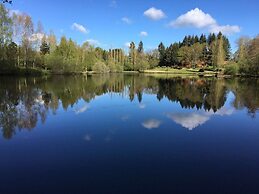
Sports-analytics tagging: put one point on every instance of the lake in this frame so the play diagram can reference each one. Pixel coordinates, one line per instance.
(120, 133)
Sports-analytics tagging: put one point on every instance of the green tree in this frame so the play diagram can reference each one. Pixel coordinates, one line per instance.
(12, 54)
(185, 41)
(219, 51)
(162, 54)
(140, 47)
(227, 48)
(190, 55)
(211, 38)
(27, 52)
(207, 56)
(132, 55)
(172, 55)
(5, 32)
(203, 39)
(44, 48)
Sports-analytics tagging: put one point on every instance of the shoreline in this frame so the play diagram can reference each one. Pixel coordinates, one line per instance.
(169, 71)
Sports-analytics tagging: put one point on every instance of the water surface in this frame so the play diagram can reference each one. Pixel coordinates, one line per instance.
(129, 134)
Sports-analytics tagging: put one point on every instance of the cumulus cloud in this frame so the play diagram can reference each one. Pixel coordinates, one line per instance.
(198, 19)
(80, 28)
(143, 33)
(194, 18)
(126, 20)
(154, 14)
(151, 124)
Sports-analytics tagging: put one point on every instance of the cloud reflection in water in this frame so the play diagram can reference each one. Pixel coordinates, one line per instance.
(151, 124)
(191, 120)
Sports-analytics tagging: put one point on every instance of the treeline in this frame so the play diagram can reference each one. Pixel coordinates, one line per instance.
(195, 51)
(25, 101)
(24, 47)
(247, 56)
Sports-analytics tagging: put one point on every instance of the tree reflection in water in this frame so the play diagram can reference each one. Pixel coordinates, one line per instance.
(25, 101)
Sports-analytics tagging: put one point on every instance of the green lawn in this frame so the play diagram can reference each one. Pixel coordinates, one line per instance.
(179, 71)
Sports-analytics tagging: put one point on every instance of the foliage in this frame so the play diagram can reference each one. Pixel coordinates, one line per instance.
(248, 56)
(231, 69)
(21, 46)
(100, 67)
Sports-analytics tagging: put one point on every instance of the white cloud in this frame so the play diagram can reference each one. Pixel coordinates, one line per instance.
(126, 20)
(194, 18)
(227, 29)
(80, 28)
(37, 37)
(198, 19)
(151, 124)
(143, 33)
(93, 42)
(113, 4)
(189, 120)
(154, 14)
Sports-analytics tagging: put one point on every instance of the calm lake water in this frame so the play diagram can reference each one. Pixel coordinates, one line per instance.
(128, 134)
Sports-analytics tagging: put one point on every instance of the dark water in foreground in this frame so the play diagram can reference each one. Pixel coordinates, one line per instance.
(129, 134)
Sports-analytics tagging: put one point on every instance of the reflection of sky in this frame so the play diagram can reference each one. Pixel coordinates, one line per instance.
(194, 118)
(151, 124)
(142, 106)
(81, 109)
(191, 120)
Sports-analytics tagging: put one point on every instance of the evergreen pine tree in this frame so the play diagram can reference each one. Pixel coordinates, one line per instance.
(202, 39)
(162, 54)
(227, 48)
(185, 41)
(140, 47)
(196, 39)
(44, 48)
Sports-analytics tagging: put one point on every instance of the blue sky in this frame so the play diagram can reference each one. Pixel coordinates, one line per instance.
(113, 23)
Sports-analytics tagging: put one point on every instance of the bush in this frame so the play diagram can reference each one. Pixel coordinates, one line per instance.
(231, 69)
(100, 67)
(55, 63)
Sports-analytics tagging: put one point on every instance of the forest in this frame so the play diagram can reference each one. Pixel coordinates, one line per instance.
(27, 48)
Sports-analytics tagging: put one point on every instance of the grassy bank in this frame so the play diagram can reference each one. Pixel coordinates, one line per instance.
(183, 71)
(207, 72)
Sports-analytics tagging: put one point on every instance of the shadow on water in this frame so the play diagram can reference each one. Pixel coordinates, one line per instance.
(24, 102)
